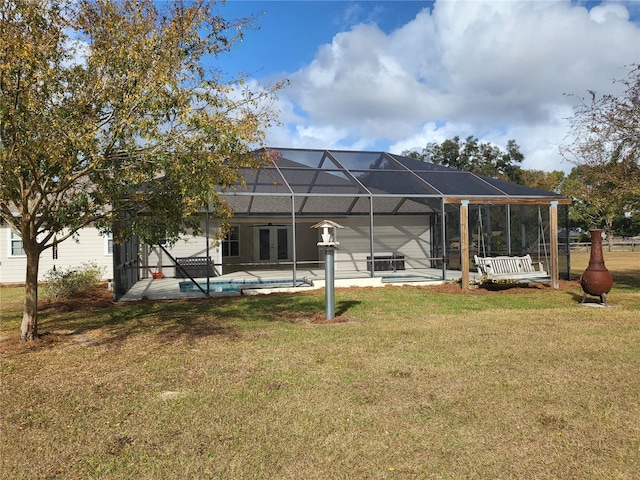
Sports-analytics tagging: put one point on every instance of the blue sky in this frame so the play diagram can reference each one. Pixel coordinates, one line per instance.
(293, 30)
(396, 75)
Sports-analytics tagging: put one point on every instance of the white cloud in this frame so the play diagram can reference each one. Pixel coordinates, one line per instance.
(609, 12)
(492, 69)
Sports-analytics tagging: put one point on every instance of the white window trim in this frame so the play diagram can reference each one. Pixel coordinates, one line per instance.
(12, 237)
(108, 238)
(236, 241)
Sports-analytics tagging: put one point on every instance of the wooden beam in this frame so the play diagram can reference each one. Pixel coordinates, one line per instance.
(464, 243)
(553, 233)
(506, 200)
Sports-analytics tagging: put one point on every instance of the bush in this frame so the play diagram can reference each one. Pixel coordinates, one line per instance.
(70, 282)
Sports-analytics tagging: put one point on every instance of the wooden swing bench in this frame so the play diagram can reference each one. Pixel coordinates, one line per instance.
(510, 268)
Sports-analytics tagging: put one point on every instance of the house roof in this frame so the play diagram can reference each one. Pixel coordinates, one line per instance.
(347, 182)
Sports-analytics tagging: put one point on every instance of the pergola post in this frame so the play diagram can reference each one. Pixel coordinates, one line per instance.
(553, 241)
(464, 243)
(508, 229)
(443, 239)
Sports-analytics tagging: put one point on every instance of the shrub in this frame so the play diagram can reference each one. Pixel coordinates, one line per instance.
(70, 282)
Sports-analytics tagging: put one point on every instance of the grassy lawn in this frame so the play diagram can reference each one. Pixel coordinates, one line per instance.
(523, 383)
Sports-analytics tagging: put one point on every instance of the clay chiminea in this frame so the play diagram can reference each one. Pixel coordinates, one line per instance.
(596, 279)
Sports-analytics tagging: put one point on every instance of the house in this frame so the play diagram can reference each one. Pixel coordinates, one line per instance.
(89, 245)
(401, 217)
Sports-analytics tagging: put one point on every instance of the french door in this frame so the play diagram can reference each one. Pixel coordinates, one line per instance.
(272, 243)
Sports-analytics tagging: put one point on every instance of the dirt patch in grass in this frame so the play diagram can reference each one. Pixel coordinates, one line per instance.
(321, 319)
(488, 289)
(50, 340)
(94, 298)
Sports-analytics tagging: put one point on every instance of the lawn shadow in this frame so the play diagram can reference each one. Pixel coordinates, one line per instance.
(101, 321)
(344, 305)
(113, 323)
(278, 306)
(626, 280)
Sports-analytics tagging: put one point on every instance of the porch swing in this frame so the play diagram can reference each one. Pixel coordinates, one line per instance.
(507, 267)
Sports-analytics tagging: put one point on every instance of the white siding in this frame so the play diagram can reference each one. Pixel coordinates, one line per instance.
(401, 235)
(190, 246)
(89, 247)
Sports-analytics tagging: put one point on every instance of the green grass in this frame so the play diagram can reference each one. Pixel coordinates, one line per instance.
(419, 383)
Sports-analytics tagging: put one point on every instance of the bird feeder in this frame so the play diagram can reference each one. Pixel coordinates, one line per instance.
(328, 242)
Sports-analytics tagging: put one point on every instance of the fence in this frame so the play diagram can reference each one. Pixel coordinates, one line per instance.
(632, 245)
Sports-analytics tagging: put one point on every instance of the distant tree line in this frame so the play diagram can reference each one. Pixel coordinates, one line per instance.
(471, 155)
(598, 199)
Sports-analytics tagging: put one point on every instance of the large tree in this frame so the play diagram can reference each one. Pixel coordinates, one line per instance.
(597, 199)
(473, 156)
(112, 108)
(550, 181)
(605, 147)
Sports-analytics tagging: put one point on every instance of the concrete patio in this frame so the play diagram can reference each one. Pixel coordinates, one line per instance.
(272, 281)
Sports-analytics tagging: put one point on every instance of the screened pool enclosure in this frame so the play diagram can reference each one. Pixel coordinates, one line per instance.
(402, 218)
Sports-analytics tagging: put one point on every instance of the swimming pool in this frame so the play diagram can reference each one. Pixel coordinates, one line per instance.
(220, 286)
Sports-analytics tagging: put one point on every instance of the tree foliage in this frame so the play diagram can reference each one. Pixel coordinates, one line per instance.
(473, 156)
(605, 147)
(592, 205)
(542, 180)
(110, 108)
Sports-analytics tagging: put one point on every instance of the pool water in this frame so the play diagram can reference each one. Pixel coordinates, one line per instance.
(218, 286)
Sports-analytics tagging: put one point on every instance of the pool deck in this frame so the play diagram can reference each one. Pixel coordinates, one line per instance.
(169, 288)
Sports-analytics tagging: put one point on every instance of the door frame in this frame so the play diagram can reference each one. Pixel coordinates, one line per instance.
(273, 233)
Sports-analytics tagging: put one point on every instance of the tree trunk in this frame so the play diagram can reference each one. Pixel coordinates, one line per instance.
(29, 328)
(608, 229)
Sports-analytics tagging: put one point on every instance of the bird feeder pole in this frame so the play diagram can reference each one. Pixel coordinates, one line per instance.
(329, 244)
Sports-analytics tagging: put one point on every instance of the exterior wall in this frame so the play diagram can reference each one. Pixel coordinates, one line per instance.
(246, 249)
(89, 247)
(401, 235)
(408, 235)
(306, 239)
(158, 261)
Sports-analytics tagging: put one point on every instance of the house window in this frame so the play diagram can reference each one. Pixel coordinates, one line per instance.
(231, 243)
(15, 245)
(108, 244)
